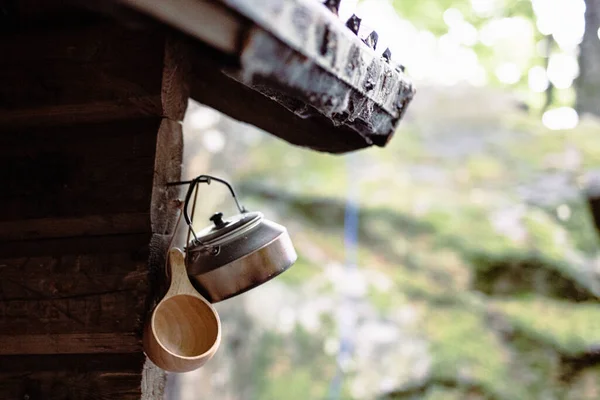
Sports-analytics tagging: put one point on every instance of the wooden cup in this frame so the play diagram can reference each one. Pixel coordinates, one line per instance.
(184, 331)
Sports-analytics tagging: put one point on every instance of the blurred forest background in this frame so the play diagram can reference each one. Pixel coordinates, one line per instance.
(460, 262)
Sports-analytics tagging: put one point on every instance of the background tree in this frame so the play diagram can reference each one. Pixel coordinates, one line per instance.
(588, 83)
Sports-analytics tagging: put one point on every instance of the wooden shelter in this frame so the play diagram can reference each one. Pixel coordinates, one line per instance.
(91, 99)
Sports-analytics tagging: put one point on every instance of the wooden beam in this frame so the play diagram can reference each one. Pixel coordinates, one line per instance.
(167, 168)
(75, 245)
(69, 343)
(100, 362)
(251, 106)
(68, 277)
(297, 71)
(100, 224)
(76, 114)
(206, 20)
(79, 170)
(70, 384)
(79, 73)
(71, 294)
(71, 376)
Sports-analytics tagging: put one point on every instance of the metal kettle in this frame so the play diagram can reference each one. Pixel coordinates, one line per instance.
(234, 255)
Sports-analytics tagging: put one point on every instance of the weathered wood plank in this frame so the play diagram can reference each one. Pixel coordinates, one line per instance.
(70, 377)
(207, 20)
(78, 170)
(43, 228)
(316, 132)
(134, 138)
(70, 343)
(72, 276)
(169, 158)
(75, 245)
(73, 114)
(24, 15)
(82, 68)
(81, 64)
(99, 362)
(108, 312)
(308, 80)
(175, 90)
(70, 385)
(78, 293)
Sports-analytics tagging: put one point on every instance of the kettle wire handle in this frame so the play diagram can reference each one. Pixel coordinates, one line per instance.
(192, 185)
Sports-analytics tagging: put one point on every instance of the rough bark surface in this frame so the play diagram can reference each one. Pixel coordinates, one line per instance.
(89, 135)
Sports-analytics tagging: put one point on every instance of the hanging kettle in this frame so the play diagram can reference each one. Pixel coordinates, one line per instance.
(235, 254)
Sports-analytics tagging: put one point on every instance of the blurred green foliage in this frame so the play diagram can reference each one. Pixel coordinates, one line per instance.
(503, 314)
(428, 14)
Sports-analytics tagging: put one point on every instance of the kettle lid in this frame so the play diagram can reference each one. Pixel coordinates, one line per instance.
(231, 240)
(228, 229)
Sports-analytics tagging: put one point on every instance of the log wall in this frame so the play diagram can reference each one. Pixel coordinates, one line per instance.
(89, 135)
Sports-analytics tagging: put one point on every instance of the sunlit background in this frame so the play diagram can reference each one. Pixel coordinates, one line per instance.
(525, 45)
(459, 262)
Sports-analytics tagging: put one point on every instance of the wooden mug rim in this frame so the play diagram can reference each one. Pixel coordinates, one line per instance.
(216, 342)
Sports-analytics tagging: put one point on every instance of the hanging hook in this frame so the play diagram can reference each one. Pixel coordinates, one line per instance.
(192, 185)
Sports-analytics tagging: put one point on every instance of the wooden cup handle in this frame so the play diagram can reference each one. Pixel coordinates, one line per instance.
(180, 283)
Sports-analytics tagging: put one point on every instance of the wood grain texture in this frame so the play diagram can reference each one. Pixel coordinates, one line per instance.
(73, 293)
(100, 224)
(80, 64)
(75, 245)
(81, 362)
(70, 385)
(80, 170)
(208, 21)
(175, 89)
(184, 331)
(154, 381)
(70, 343)
(167, 168)
(71, 275)
(209, 84)
(310, 80)
(107, 312)
(90, 112)
(70, 377)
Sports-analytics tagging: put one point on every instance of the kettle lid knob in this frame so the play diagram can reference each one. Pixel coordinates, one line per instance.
(217, 219)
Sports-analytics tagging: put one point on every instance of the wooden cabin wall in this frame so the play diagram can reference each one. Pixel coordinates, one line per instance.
(89, 135)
